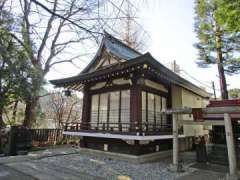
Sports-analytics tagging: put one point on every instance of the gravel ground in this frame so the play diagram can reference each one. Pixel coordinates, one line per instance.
(110, 168)
(88, 167)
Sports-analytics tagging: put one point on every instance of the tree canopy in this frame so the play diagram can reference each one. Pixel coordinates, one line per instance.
(215, 44)
(50, 31)
(14, 68)
(234, 93)
(229, 14)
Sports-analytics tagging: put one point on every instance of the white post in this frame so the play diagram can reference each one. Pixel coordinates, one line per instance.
(230, 147)
(175, 166)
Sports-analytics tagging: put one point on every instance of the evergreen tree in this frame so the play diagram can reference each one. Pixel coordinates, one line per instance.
(216, 45)
(234, 93)
(229, 14)
(13, 66)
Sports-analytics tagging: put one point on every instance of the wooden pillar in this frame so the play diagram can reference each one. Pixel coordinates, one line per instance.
(169, 104)
(135, 107)
(86, 109)
(120, 112)
(230, 147)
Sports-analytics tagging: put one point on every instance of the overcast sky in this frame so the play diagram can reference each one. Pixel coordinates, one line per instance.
(170, 25)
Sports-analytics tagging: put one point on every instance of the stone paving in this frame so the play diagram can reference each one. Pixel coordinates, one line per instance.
(7, 173)
(67, 163)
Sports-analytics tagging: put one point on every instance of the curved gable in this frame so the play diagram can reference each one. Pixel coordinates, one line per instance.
(111, 51)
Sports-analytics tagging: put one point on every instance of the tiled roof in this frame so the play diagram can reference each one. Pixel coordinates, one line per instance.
(122, 51)
(119, 49)
(115, 47)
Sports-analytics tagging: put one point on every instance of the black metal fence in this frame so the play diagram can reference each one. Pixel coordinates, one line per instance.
(19, 138)
(46, 137)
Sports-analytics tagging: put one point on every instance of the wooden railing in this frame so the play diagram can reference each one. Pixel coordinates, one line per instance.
(114, 121)
(144, 128)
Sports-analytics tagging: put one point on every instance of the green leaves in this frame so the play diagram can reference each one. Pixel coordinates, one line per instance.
(234, 93)
(228, 14)
(13, 67)
(202, 8)
(232, 66)
(214, 36)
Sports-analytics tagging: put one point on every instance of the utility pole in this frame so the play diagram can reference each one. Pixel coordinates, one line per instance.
(214, 90)
(175, 67)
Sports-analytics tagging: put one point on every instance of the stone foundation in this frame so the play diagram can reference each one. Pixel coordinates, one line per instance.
(133, 147)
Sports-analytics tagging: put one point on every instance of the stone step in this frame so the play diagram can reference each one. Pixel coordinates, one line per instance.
(225, 163)
(218, 158)
(218, 155)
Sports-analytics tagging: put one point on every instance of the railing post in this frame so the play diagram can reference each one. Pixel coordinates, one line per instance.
(76, 126)
(175, 166)
(231, 148)
(120, 126)
(66, 126)
(103, 128)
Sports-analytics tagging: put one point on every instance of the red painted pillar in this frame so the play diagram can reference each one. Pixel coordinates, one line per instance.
(135, 107)
(86, 109)
(169, 105)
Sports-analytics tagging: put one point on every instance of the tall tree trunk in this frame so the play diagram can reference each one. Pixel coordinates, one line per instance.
(2, 124)
(33, 98)
(30, 113)
(222, 78)
(15, 111)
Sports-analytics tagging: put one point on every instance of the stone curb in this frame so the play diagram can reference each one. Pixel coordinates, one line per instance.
(36, 156)
(126, 157)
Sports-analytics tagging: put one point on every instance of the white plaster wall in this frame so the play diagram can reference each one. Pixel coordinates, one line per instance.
(155, 85)
(183, 98)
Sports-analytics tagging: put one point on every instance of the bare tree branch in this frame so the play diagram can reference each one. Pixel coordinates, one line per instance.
(66, 19)
(53, 51)
(69, 60)
(26, 32)
(48, 29)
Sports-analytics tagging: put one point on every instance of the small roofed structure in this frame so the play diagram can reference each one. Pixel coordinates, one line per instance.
(124, 94)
